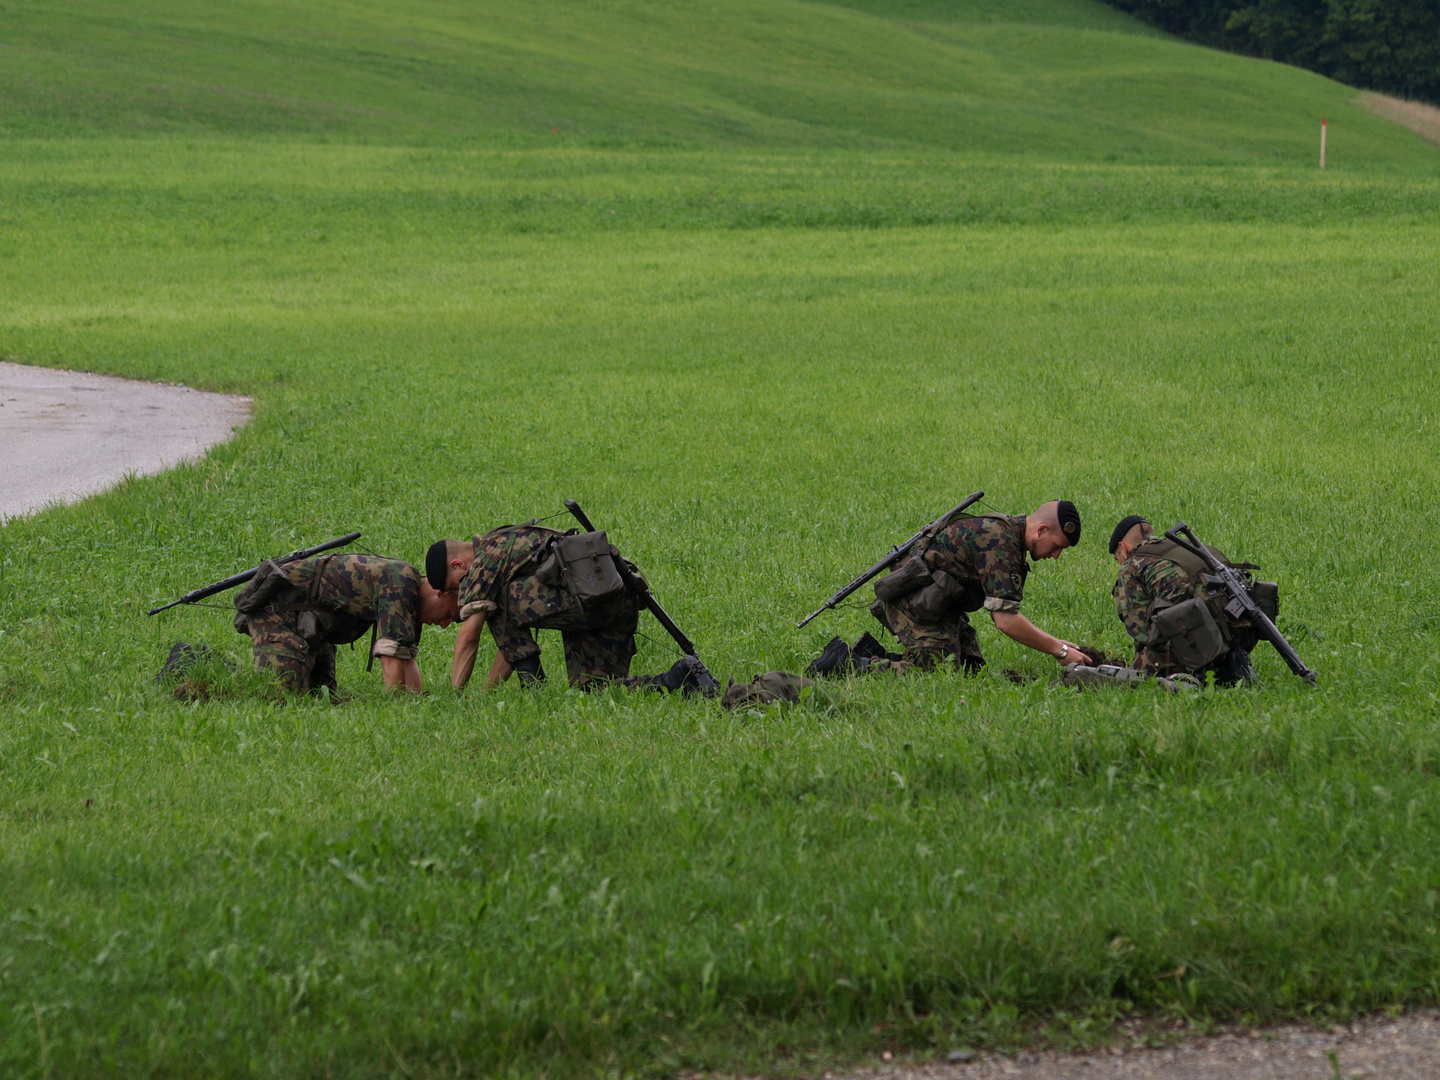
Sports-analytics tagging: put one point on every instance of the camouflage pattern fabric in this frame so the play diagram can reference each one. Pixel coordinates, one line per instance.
(358, 591)
(986, 555)
(926, 643)
(333, 600)
(302, 664)
(599, 640)
(767, 689)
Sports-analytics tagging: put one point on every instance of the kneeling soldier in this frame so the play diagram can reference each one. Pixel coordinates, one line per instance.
(972, 563)
(1180, 627)
(522, 578)
(296, 613)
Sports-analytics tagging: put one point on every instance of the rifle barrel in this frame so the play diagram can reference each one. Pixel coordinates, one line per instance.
(1236, 588)
(889, 560)
(196, 595)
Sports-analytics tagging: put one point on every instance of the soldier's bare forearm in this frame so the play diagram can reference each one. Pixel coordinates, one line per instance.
(467, 644)
(1018, 628)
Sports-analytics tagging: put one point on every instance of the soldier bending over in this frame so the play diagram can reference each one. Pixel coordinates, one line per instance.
(516, 580)
(973, 563)
(1158, 575)
(296, 613)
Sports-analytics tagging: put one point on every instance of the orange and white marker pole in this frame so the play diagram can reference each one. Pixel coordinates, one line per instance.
(1322, 142)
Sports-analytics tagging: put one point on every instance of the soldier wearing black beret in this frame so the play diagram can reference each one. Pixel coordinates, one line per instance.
(973, 563)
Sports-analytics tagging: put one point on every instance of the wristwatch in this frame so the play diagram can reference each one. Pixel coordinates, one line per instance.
(1064, 652)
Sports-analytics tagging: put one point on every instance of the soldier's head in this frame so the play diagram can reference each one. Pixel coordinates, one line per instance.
(446, 563)
(1051, 529)
(1128, 535)
(438, 608)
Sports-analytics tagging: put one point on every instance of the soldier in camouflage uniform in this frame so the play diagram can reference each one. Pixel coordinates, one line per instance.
(297, 612)
(969, 564)
(1155, 572)
(494, 577)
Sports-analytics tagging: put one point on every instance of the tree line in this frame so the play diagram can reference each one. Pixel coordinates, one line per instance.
(1388, 45)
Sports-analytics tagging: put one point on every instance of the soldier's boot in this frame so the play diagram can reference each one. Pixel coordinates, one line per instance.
(530, 671)
(834, 661)
(684, 675)
(1234, 668)
(867, 648)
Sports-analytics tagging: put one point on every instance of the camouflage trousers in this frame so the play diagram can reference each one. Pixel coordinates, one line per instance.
(301, 664)
(599, 641)
(926, 642)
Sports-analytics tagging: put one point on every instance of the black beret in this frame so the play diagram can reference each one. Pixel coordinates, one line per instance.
(1069, 521)
(437, 566)
(1126, 524)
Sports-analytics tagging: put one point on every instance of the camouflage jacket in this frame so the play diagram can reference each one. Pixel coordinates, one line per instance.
(354, 592)
(502, 556)
(987, 555)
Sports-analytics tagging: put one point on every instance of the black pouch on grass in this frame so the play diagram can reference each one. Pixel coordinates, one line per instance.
(590, 571)
(1195, 639)
(909, 576)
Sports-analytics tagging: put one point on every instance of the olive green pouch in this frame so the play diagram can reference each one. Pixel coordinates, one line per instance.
(935, 602)
(910, 575)
(590, 571)
(1191, 632)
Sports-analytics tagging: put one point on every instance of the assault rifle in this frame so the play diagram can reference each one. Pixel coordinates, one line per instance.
(241, 578)
(896, 554)
(1242, 604)
(708, 684)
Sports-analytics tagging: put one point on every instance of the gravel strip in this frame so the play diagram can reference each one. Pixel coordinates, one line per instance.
(1381, 1047)
(68, 434)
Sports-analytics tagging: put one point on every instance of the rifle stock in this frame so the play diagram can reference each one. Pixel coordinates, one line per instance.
(709, 685)
(896, 554)
(195, 595)
(1241, 599)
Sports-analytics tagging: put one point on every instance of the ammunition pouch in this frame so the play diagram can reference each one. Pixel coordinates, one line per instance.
(908, 577)
(1191, 632)
(934, 603)
(1266, 595)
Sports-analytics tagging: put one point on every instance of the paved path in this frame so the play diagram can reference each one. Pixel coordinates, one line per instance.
(68, 434)
(1378, 1048)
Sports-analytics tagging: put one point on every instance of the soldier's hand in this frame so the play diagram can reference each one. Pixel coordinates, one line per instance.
(1074, 656)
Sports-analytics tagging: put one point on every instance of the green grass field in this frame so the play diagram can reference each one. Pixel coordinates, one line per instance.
(765, 287)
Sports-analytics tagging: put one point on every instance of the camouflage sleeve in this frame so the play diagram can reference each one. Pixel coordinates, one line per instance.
(1132, 601)
(397, 612)
(1142, 581)
(1000, 560)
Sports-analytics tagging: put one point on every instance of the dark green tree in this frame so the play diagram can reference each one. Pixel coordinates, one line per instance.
(1388, 45)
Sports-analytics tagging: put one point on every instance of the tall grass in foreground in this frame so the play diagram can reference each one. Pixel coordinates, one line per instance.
(548, 882)
(764, 286)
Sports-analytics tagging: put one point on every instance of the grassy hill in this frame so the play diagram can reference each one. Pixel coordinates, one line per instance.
(1066, 80)
(764, 286)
